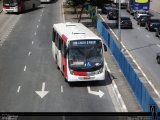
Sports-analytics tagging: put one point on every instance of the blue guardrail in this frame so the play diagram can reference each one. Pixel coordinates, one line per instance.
(142, 95)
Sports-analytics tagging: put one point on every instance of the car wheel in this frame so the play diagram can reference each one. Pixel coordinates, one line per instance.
(158, 60)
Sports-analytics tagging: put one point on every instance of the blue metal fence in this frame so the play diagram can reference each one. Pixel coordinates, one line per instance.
(143, 96)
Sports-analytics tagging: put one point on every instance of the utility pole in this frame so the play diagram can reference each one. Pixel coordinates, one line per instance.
(119, 23)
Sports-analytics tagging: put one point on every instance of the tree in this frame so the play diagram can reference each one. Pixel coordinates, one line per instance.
(83, 3)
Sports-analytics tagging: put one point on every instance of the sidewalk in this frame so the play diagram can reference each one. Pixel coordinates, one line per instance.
(116, 75)
(1, 6)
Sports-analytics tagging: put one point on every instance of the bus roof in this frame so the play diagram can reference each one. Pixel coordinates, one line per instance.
(74, 31)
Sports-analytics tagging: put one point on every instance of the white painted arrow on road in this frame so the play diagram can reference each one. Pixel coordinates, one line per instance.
(99, 93)
(42, 93)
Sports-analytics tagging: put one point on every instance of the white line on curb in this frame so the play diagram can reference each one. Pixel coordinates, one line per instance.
(117, 93)
(25, 68)
(135, 62)
(19, 88)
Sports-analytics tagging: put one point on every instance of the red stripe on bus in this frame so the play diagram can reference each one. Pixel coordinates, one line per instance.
(64, 37)
(80, 73)
(65, 67)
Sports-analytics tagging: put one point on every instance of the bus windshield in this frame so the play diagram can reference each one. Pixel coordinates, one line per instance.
(10, 2)
(85, 55)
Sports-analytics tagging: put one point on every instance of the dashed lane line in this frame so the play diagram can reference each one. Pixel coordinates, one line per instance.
(25, 68)
(158, 45)
(148, 36)
(37, 26)
(61, 89)
(29, 53)
(39, 20)
(32, 42)
(19, 88)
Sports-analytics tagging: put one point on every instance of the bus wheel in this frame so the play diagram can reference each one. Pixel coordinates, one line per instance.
(57, 64)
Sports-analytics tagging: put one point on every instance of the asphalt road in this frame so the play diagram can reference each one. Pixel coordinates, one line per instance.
(26, 64)
(143, 45)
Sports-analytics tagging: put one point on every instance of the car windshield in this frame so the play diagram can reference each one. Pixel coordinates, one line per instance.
(10, 2)
(85, 55)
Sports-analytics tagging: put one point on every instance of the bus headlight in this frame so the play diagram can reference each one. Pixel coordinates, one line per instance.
(71, 71)
(95, 72)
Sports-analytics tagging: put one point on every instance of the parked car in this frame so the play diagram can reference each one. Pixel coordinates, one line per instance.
(158, 58)
(143, 19)
(125, 22)
(113, 14)
(139, 13)
(106, 8)
(157, 34)
(152, 24)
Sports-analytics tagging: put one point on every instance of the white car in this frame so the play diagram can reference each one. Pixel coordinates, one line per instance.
(139, 13)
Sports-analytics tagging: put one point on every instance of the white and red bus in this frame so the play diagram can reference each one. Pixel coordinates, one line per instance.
(78, 52)
(14, 6)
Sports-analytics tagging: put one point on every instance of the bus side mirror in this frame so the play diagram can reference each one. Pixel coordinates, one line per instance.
(105, 47)
(65, 52)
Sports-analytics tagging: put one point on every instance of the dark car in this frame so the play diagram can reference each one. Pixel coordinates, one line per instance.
(113, 14)
(106, 8)
(125, 22)
(157, 34)
(158, 58)
(152, 24)
(143, 19)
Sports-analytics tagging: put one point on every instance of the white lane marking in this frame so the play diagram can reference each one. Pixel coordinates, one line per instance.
(99, 93)
(62, 11)
(138, 28)
(29, 53)
(116, 93)
(148, 36)
(25, 68)
(37, 26)
(39, 20)
(158, 45)
(42, 10)
(123, 46)
(61, 89)
(19, 88)
(35, 33)
(42, 93)
(41, 15)
(32, 42)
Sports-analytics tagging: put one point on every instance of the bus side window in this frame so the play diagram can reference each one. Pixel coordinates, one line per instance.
(60, 43)
(56, 40)
(53, 35)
